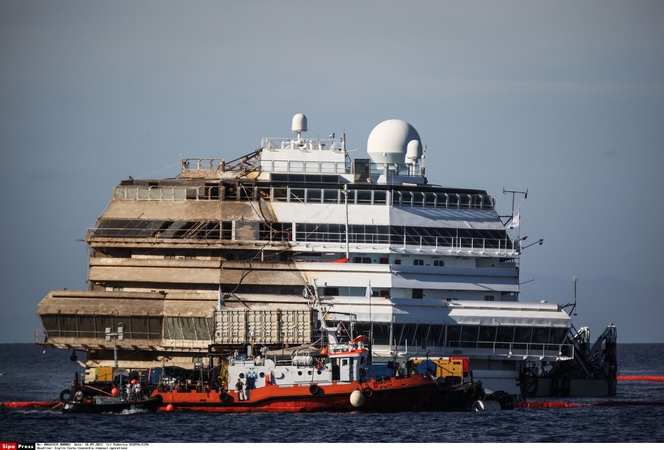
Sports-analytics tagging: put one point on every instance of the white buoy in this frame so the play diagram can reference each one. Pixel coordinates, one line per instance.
(357, 398)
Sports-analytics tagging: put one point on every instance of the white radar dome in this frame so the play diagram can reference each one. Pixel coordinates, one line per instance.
(299, 123)
(392, 140)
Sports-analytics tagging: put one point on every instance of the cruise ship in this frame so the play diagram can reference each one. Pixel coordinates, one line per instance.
(234, 255)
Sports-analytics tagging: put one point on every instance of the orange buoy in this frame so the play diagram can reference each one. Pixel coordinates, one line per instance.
(170, 407)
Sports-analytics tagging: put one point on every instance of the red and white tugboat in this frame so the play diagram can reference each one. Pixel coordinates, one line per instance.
(334, 379)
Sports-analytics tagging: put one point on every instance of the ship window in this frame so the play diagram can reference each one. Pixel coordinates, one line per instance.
(469, 335)
(143, 192)
(361, 260)
(489, 298)
(327, 167)
(418, 262)
(381, 334)
(155, 193)
(178, 193)
(488, 202)
(280, 194)
(453, 200)
(407, 334)
(504, 336)
(453, 335)
(464, 201)
(330, 195)
(296, 167)
(297, 194)
(522, 337)
(477, 201)
(118, 288)
(430, 199)
(192, 193)
(363, 197)
(422, 334)
(330, 291)
(281, 166)
(418, 293)
(311, 166)
(418, 199)
(487, 336)
(266, 166)
(314, 195)
(120, 193)
(435, 335)
(380, 197)
(406, 198)
(439, 263)
(558, 335)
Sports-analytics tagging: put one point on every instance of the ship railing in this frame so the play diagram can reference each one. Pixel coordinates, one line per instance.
(404, 198)
(203, 232)
(268, 143)
(245, 162)
(507, 350)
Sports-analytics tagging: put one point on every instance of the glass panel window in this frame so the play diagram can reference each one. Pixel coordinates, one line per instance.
(311, 166)
(155, 193)
(327, 167)
(143, 192)
(296, 167)
(314, 195)
(504, 337)
(330, 195)
(363, 197)
(453, 335)
(469, 335)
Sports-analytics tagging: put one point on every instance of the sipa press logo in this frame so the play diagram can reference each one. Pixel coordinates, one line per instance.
(7, 445)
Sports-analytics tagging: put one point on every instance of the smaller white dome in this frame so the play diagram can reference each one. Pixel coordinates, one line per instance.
(299, 123)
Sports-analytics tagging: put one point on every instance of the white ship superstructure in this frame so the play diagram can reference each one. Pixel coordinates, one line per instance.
(231, 254)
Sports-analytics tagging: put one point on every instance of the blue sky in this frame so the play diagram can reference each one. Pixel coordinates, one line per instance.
(564, 98)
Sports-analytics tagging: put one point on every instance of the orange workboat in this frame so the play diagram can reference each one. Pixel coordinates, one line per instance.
(332, 380)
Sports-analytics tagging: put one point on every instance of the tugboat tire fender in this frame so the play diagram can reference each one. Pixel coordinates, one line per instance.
(313, 389)
(368, 392)
(65, 395)
(224, 397)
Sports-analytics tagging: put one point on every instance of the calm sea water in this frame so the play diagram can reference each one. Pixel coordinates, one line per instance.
(29, 375)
